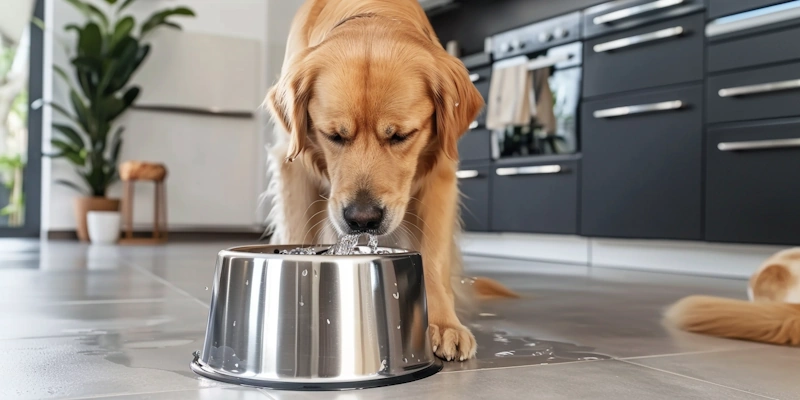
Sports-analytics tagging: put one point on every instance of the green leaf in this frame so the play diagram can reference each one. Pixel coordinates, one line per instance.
(116, 146)
(121, 30)
(66, 150)
(160, 18)
(99, 15)
(82, 112)
(63, 111)
(38, 22)
(90, 42)
(124, 5)
(70, 134)
(63, 74)
(72, 185)
(111, 2)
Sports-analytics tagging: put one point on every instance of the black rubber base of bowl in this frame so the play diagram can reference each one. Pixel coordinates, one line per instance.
(430, 370)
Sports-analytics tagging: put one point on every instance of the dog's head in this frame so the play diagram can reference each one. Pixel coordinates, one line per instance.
(377, 109)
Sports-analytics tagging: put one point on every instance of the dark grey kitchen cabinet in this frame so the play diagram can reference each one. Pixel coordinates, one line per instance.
(761, 49)
(753, 183)
(539, 196)
(642, 165)
(719, 8)
(670, 52)
(474, 183)
(619, 15)
(475, 145)
(763, 93)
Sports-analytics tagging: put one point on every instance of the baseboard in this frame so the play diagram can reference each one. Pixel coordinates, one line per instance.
(700, 258)
(180, 235)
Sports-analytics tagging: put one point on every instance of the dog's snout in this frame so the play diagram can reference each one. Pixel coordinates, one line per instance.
(364, 214)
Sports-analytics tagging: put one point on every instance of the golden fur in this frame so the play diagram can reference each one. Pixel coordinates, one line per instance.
(772, 315)
(369, 101)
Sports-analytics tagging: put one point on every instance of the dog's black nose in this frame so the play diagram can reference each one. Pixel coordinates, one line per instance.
(363, 214)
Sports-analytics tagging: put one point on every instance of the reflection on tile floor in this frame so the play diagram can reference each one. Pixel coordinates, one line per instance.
(92, 322)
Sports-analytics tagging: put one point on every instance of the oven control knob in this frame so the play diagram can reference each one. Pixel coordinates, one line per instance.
(545, 37)
(516, 45)
(505, 47)
(560, 33)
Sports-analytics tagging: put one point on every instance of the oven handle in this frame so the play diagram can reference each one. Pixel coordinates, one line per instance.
(626, 13)
(754, 19)
(638, 39)
(531, 170)
(639, 109)
(759, 145)
(548, 62)
(760, 88)
(468, 174)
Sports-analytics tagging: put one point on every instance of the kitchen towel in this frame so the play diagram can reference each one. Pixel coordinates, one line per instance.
(542, 101)
(509, 94)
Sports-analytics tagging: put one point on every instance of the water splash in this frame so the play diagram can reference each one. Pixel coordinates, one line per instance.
(345, 246)
(373, 244)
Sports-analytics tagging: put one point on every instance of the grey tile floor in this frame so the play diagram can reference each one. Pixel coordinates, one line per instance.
(121, 322)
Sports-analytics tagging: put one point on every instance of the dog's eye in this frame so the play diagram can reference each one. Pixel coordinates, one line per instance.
(398, 138)
(335, 138)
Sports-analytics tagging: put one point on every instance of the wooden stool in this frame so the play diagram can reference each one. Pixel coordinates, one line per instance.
(130, 172)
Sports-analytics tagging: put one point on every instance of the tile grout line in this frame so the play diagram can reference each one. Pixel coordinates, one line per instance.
(165, 282)
(112, 395)
(525, 366)
(690, 353)
(698, 379)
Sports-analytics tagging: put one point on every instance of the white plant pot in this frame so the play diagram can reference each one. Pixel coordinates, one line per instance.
(103, 226)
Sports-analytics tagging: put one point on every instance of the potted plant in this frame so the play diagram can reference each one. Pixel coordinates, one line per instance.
(109, 48)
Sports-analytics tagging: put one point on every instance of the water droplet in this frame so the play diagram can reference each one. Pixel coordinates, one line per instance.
(395, 283)
(315, 273)
(329, 321)
(301, 301)
(412, 356)
(405, 360)
(398, 326)
(236, 365)
(305, 272)
(383, 365)
(396, 295)
(463, 281)
(234, 323)
(247, 283)
(418, 360)
(206, 287)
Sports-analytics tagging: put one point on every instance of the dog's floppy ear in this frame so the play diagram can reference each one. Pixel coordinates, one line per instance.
(457, 102)
(288, 103)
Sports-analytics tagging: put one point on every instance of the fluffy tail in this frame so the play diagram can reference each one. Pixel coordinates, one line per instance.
(486, 288)
(768, 322)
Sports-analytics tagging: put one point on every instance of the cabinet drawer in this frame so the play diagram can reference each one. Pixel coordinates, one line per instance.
(474, 184)
(642, 165)
(753, 51)
(667, 53)
(620, 15)
(757, 94)
(719, 8)
(536, 198)
(475, 145)
(752, 186)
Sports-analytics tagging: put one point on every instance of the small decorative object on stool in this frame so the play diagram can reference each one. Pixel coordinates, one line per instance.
(130, 172)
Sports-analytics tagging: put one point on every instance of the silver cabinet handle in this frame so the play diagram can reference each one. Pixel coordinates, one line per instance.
(638, 39)
(474, 77)
(533, 170)
(473, 125)
(634, 11)
(759, 145)
(548, 62)
(760, 88)
(754, 19)
(640, 109)
(467, 174)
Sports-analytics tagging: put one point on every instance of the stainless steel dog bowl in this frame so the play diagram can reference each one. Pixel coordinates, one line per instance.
(317, 322)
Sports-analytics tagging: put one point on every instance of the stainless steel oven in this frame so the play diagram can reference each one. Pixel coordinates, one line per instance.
(536, 114)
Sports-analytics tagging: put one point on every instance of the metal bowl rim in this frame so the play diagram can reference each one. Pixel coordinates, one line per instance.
(206, 371)
(237, 252)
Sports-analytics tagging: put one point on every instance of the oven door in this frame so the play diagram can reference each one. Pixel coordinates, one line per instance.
(554, 106)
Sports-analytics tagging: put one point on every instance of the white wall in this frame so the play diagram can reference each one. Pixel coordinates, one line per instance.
(217, 165)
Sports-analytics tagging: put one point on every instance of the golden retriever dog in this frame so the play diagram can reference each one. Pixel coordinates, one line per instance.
(369, 110)
(771, 316)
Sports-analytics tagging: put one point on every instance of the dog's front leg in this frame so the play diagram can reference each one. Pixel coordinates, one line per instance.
(437, 222)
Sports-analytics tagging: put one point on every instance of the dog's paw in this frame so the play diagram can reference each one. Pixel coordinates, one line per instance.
(452, 342)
